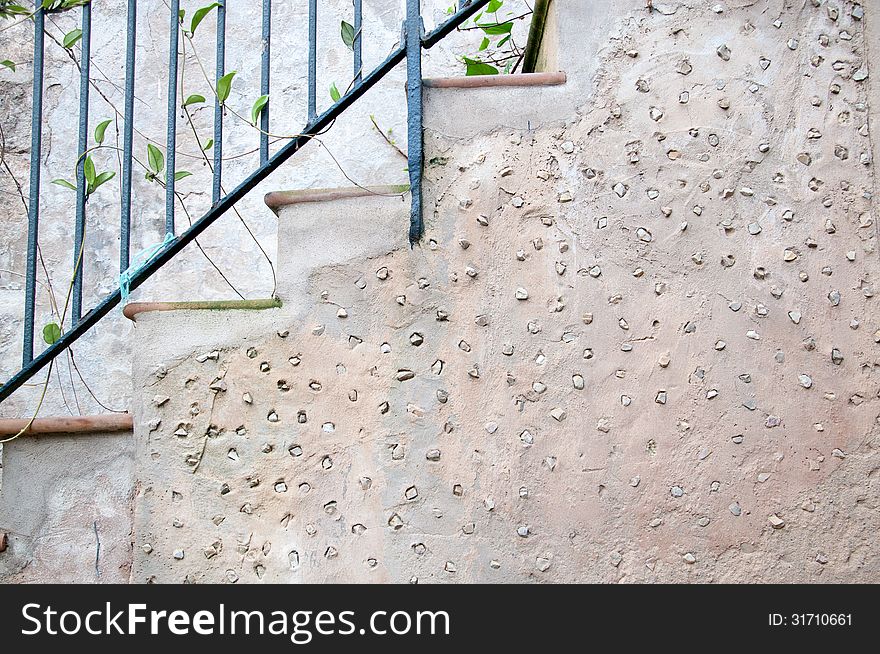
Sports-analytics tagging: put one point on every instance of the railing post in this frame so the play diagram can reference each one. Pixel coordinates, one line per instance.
(127, 139)
(27, 354)
(265, 71)
(171, 139)
(313, 61)
(81, 182)
(220, 66)
(415, 150)
(357, 44)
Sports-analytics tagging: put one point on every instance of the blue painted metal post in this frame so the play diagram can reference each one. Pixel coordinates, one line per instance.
(357, 45)
(171, 139)
(81, 183)
(127, 139)
(264, 80)
(27, 354)
(313, 59)
(218, 110)
(415, 151)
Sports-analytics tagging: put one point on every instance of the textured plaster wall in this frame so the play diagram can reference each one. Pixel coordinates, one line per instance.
(639, 345)
(65, 509)
(49, 512)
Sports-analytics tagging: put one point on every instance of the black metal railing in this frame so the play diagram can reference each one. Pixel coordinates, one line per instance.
(410, 50)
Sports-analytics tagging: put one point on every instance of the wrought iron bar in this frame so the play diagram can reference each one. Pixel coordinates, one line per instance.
(313, 59)
(415, 149)
(220, 65)
(171, 138)
(264, 80)
(127, 139)
(79, 254)
(27, 354)
(357, 44)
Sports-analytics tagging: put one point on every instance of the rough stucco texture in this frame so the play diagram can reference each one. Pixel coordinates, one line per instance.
(641, 346)
(66, 509)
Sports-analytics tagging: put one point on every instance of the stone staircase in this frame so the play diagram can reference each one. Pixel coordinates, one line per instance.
(279, 436)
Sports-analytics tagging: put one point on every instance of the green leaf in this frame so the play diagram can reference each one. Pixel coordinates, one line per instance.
(334, 92)
(485, 43)
(155, 158)
(497, 30)
(181, 174)
(104, 177)
(479, 68)
(71, 38)
(503, 41)
(494, 6)
(208, 145)
(224, 86)
(9, 64)
(89, 170)
(64, 183)
(180, 14)
(195, 98)
(100, 130)
(348, 34)
(258, 107)
(51, 333)
(199, 16)
(8, 11)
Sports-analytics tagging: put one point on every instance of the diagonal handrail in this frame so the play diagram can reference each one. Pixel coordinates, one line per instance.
(413, 35)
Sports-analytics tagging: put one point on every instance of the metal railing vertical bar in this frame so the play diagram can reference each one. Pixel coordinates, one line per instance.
(415, 151)
(220, 66)
(171, 139)
(265, 72)
(127, 139)
(313, 60)
(34, 190)
(357, 44)
(79, 254)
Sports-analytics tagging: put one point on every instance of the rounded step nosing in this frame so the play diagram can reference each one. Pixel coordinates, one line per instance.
(278, 199)
(98, 424)
(496, 81)
(132, 309)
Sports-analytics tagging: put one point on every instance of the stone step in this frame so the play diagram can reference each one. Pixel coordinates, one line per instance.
(322, 227)
(462, 107)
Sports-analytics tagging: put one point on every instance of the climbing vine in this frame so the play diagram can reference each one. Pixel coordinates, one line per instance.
(498, 51)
